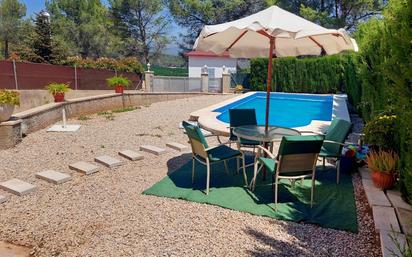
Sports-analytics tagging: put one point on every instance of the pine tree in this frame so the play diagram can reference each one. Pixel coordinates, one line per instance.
(42, 43)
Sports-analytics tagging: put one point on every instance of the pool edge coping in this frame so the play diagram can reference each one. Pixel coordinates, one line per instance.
(207, 117)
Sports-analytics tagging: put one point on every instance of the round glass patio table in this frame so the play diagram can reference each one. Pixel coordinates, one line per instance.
(258, 133)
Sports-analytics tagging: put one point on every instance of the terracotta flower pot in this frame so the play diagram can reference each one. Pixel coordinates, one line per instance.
(6, 110)
(58, 97)
(383, 180)
(119, 89)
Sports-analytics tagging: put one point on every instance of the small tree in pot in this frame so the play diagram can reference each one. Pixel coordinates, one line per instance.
(58, 90)
(8, 99)
(119, 83)
(383, 165)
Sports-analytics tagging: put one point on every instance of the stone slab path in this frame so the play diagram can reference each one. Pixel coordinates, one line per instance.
(385, 219)
(177, 146)
(388, 240)
(131, 155)
(152, 149)
(84, 167)
(54, 177)
(17, 187)
(108, 161)
(3, 198)
(11, 250)
(374, 195)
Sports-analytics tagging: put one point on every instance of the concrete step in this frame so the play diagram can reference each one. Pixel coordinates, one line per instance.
(108, 161)
(131, 155)
(54, 177)
(177, 146)
(375, 196)
(152, 149)
(3, 198)
(84, 167)
(385, 219)
(391, 242)
(17, 187)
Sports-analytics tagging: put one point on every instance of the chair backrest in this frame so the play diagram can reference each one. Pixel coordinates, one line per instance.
(241, 117)
(196, 138)
(298, 154)
(337, 132)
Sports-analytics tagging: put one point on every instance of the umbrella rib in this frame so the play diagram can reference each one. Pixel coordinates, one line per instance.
(321, 47)
(237, 39)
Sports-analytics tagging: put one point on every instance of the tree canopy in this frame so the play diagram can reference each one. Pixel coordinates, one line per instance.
(11, 13)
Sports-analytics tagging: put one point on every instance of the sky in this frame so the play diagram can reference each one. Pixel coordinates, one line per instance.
(35, 6)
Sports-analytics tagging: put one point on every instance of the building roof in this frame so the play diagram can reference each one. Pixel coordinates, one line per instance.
(206, 54)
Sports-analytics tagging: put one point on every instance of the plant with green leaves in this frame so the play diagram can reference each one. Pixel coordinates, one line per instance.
(383, 161)
(11, 14)
(380, 132)
(55, 88)
(118, 81)
(9, 97)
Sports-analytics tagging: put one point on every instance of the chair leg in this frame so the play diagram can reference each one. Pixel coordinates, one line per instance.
(323, 166)
(207, 176)
(237, 165)
(337, 171)
(244, 168)
(255, 172)
(312, 191)
(193, 170)
(226, 168)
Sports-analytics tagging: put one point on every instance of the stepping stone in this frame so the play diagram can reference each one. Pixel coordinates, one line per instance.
(3, 198)
(377, 198)
(108, 161)
(17, 187)
(177, 146)
(364, 172)
(84, 167)
(131, 155)
(385, 219)
(396, 199)
(53, 176)
(405, 220)
(152, 149)
(390, 243)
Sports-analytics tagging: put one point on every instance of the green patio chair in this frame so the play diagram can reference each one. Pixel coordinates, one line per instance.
(206, 155)
(296, 159)
(334, 142)
(241, 117)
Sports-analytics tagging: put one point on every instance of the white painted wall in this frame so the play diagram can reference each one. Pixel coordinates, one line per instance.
(196, 63)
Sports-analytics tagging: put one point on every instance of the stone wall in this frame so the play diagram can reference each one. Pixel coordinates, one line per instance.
(23, 123)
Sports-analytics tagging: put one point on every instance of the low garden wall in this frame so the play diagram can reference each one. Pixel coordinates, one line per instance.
(23, 123)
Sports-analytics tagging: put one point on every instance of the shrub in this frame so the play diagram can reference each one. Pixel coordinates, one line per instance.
(380, 132)
(9, 97)
(118, 80)
(55, 88)
(129, 64)
(382, 161)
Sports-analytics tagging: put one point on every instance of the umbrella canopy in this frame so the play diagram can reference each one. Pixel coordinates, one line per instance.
(294, 36)
(272, 31)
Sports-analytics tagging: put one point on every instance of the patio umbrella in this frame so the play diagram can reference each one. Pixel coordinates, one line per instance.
(272, 32)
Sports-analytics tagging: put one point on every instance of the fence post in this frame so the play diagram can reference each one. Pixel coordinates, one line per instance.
(148, 81)
(204, 83)
(75, 77)
(225, 80)
(15, 75)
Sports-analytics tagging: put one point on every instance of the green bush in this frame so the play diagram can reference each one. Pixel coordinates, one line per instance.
(129, 64)
(166, 71)
(9, 97)
(327, 74)
(380, 132)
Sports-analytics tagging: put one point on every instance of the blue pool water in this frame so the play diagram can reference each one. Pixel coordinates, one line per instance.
(286, 110)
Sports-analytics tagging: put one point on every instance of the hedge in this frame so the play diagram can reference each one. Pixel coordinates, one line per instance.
(128, 64)
(328, 74)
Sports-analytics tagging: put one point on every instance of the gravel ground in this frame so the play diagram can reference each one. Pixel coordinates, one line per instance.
(105, 214)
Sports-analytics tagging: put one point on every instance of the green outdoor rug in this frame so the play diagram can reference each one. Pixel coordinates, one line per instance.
(334, 205)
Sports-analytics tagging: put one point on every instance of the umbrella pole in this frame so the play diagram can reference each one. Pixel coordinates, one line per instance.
(268, 89)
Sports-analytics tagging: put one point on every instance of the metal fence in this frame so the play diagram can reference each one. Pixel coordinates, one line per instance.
(176, 84)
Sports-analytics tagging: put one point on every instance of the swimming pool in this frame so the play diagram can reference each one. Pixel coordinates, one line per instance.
(304, 112)
(286, 110)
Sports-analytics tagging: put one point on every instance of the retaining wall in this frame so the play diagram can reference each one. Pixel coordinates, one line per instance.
(23, 123)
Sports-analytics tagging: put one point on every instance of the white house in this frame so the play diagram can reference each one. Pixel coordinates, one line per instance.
(214, 63)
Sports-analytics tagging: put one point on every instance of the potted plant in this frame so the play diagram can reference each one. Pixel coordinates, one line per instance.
(119, 83)
(8, 99)
(239, 89)
(383, 166)
(58, 90)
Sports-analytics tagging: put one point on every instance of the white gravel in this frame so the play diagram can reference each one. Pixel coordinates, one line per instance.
(105, 214)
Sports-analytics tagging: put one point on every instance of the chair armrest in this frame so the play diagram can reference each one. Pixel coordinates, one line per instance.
(271, 155)
(210, 148)
(333, 142)
(312, 132)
